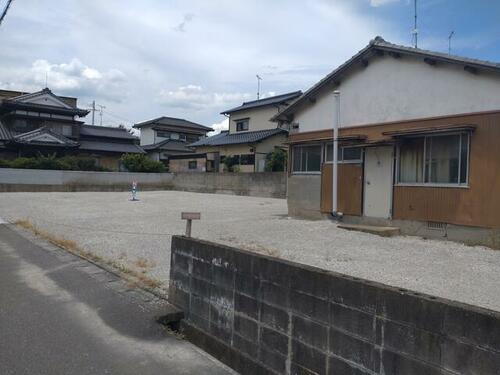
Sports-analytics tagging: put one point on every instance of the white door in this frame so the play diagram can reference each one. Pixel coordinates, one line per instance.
(378, 181)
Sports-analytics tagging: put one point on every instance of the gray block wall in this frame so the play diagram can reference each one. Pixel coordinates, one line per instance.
(262, 315)
(262, 184)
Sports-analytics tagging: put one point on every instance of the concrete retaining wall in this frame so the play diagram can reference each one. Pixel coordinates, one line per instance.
(262, 315)
(304, 196)
(46, 180)
(262, 184)
(254, 184)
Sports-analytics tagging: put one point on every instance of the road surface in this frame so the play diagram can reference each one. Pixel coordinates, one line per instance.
(62, 315)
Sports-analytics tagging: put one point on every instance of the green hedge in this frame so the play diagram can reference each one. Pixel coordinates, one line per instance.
(141, 163)
(68, 163)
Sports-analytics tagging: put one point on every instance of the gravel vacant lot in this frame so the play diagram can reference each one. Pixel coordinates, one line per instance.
(137, 234)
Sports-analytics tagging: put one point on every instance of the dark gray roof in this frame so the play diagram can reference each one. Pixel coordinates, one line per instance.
(379, 44)
(105, 132)
(225, 138)
(278, 99)
(170, 145)
(172, 121)
(110, 147)
(4, 132)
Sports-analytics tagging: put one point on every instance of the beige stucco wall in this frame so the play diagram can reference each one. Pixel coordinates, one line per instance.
(390, 89)
(259, 118)
(182, 165)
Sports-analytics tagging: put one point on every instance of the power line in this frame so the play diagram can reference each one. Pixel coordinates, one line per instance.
(4, 13)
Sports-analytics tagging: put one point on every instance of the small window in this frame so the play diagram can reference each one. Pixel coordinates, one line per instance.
(247, 159)
(438, 159)
(193, 164)
(307, 159)
(162, 134)
(345, 154)
(242, 125)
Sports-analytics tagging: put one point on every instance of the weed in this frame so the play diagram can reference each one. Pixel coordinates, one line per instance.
(135, 278)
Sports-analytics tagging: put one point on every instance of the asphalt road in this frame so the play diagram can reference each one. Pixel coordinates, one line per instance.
(62, 315)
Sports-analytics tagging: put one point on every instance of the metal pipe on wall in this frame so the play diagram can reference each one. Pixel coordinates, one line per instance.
(336, 124)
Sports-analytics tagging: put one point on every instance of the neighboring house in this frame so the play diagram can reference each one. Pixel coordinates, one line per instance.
(164, 137)
(251, 135)
(43, 123)
(418, 143)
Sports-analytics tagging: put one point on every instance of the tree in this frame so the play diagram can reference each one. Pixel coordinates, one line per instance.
(276, 161)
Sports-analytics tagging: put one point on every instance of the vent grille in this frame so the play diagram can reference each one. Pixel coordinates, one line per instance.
(436, 225)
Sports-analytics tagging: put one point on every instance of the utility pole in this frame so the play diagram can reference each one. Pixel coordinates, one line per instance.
(4, 13)
(93, 112)
(258, 85)
(100, 111)
(449, 42)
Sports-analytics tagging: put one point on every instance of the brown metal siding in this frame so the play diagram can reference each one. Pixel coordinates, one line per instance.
(476, 205)
(350, 184)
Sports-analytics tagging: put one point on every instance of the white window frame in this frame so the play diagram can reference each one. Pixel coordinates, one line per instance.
(458, 184)
(341, 160)
(307, 172)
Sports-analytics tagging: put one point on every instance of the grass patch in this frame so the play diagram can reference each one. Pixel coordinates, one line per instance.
(135, 278)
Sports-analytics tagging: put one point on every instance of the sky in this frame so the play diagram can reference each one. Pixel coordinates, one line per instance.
(195, 58)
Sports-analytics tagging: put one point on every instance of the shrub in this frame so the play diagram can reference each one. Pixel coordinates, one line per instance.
(141, 163)
(232, 163)
(4, 163)
(275, 161)
(24, 163)
(50, 162)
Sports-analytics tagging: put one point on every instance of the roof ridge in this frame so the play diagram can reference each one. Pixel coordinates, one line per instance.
(272, 97)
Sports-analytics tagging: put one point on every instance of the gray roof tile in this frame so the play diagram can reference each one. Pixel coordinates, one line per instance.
(164, 120)
(110, 147)
(170, 145)
(278, 99)
(225, 138)
(105, 132)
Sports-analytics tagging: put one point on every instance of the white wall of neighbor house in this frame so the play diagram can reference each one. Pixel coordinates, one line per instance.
(147, 136)
(258, 118)
(390, 89)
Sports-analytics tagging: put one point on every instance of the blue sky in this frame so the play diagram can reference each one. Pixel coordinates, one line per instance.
(196, 58)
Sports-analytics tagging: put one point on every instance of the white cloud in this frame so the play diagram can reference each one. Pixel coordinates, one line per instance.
(71, 78)
(195, 98)
(220, 126)
(377, 3)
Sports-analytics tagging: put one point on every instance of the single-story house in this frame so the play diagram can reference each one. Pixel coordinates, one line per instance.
(417, 143)
(251, 134)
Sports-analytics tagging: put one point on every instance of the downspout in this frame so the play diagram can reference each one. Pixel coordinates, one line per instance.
(336, 124)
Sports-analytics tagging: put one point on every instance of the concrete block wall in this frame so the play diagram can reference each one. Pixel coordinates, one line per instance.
(260, 184)
(262, 315)
(266, 184)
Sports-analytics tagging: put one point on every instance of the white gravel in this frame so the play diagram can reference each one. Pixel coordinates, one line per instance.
(110, 225)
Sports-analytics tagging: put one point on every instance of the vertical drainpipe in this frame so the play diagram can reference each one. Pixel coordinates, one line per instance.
(336, 123)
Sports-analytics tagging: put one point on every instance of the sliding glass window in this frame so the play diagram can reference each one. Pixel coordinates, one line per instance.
(436, 159)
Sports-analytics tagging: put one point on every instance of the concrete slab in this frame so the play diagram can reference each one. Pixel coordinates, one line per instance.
(380, 231)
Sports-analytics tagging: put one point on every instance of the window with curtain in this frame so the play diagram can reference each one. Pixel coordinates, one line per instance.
(437, 159)
(307, 158)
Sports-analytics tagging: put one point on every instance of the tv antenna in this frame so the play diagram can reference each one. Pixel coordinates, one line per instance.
(415, 29)
(449, 42)
(101, 111)
(258, 85)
